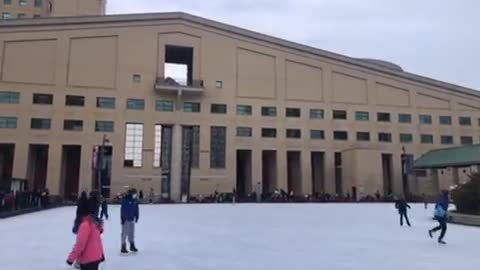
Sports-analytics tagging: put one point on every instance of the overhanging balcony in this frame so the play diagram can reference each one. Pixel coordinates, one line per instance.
(179, 87)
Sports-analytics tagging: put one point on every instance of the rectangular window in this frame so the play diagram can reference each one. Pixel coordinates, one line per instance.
(339, 114)
(217, 147)
(292, 112)
(244, 110)
(38, 3)
(136, 78)
(464, 121)
(466, 140)
(73, 125)
(294, 133)
(44, 99)
(405, 118)
(218, 84)
(317, 134)
(269, 132)
(40, 123)
(104, 126)
(8, 122)
(425, 119)
(384, 137)
(192, 107)
(218, 108)
(133, 145)
(23, 2)
(269, 111)
(164, 105)
(71, 100)
(135, 104)
(426, 138)
(6, 15)
(340, 135)
(317, 114)
(363, 136)
(445, 120)
(421, 173)
(8, 97)
(244, 131)
(106, 102)
(383, 117)
(362, 116)
(195, 146)
(35, 16)
(7, 2)
(21, 15)
(446, 139)
(157, 151)
(406, 138)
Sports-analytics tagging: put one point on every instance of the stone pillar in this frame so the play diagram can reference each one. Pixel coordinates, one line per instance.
(306, 164)
(85, 180)
(54, 169)
(176, 166)
(256, 169)
(329, 181)
(281, 182)
(20, 160)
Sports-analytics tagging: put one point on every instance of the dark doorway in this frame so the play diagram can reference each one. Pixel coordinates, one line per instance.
(7, 152)
(105, 169)
(294, 172)
(37, 166)
(71, 156)
(338, 174)
(166, 160)
(269, 171)
(244, 173)
(318, 172)
(387, 174)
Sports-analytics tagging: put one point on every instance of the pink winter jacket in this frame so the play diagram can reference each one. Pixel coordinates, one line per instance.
(88, 247)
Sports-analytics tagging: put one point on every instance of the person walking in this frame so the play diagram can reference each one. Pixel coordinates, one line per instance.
(425, 202)
(441, 215)
(402, 207)
(129, 216)
(104, 209)
(258, 192)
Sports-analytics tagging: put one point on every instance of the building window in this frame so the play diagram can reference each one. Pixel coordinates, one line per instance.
(292, 112)
(40, 123)
(8, 122)
(133, 145)
(44, 99)
(342, 115)
(420, 173)
(244, 110)
(363, 136)
(217, 147)
(21, 15)
(445, 120)
(317, 134)
(426, 138)
(465, 121)
(7, 2)
(362, 116)
(384, 137)
(383, 117)
(446, 139)
(269, 111)
(294, 133)
(23, 2)
(406, 138)
(104, 126)
(466, 140)
(218, 84)
(269, 132)
(425, 119)
(192, 107)
(340, 135)
(6, 15)
(135, 104)
(38, 3)
(178, 67)
(317, 114)
(35, 16)
(164, 105)
(195, 146)
(106, 102)
(405, 118)
(136, 78)
(244, 132)
(218, 108)
(157, 151)
(8, 97)
(71, 100)
(73, 125)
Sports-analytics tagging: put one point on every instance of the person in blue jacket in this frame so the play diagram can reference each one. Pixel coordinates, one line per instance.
(129, 216)
(440, 214)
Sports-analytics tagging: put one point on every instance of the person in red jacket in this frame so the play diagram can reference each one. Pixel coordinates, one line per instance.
(88, 249)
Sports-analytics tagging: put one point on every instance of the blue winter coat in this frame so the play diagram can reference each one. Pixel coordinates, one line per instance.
(129, 210)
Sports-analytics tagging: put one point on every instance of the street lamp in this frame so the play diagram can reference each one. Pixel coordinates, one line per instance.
(100, 164)
(406, 192)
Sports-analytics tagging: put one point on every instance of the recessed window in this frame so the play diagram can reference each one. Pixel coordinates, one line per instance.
(269, 111)
(133, 145)
(23, 2)
(317, 114)
(136, 78)
(384, 137)
(426, 139)
(164, 105)
(7, 2)
(244, 110)
(192, 107)
(35, 16)
(340, 135)
(292, 112)
(38, 3)
(43, 99)
(106, 102)
(218, 108)
(178, 68)
(135, 104)
(8, 97)
(71, 100)
(294, 133)
(404, 118)
(406, 138)
(317, 134)
(218, 84)
(40, 123)
(363, 136)
(446, 139)
(445, 120)
(362, 116)
(6, 15)
(73, 125)
(341, 115)
(383, 117)
(157, 153)
(218, 144)
(466, 140)
(269, 132)
(104, 126)
(244, 131)
(8, 122)
(21, 15)
(465, 121)
(425, 119)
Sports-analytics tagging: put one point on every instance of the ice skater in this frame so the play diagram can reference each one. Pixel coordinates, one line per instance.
(104, 209)
(441, 215)
(129, 216)
(402, 207)
(425, 202)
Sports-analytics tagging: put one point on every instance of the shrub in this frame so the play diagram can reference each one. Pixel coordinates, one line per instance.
(467, 196)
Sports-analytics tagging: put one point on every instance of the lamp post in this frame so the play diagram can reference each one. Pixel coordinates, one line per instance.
(406, 192)
(100, 164)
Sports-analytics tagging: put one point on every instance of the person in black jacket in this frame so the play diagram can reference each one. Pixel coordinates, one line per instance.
(402, 206)
(104, 209)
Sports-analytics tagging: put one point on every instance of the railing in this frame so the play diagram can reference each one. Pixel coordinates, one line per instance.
(178, 82)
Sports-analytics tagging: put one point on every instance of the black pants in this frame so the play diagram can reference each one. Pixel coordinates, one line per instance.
(90, 266)
(404, 214)
(442, 226)
(104, 212)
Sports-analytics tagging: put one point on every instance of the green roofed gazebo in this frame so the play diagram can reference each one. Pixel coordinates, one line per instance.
(462, 156)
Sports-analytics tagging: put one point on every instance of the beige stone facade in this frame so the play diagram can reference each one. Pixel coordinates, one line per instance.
(18, 9)
(123, 57)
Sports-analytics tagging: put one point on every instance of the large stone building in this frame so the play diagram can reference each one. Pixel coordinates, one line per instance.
(189, 105)
(11, 9)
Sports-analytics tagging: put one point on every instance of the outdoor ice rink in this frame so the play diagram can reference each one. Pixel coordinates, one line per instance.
(249, 237)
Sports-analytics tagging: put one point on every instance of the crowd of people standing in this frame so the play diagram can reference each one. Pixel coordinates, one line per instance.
(18, 200)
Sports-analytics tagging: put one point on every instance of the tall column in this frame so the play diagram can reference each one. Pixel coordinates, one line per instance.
(20, 160)
(176, 166)
(282, 169)
(256, 169)
(85, 177)
(329, 180)
(306, 164)
(54, 169)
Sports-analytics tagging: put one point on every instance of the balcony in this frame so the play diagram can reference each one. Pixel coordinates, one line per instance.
(179, 87)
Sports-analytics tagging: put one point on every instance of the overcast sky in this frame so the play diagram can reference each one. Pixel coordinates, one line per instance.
(434, 38)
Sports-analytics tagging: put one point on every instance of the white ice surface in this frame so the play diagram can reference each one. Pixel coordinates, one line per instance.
(249, 237)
